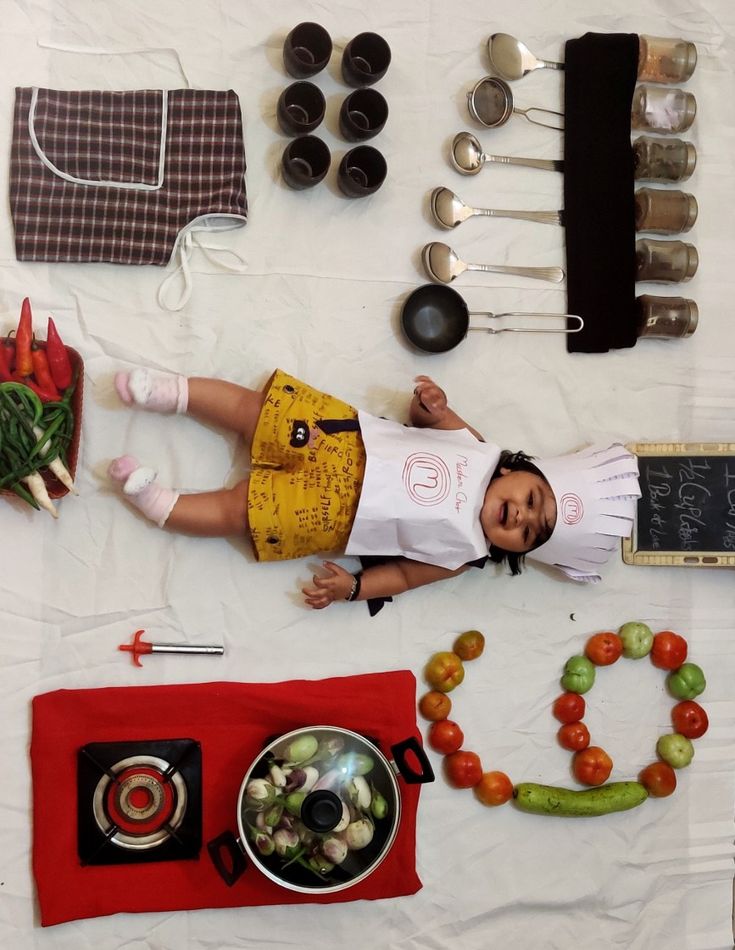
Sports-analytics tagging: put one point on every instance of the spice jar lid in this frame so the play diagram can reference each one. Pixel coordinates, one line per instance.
(690, 160)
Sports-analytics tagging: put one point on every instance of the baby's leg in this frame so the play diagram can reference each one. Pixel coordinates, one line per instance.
(214, 401)
(225, 404)
(222, 513)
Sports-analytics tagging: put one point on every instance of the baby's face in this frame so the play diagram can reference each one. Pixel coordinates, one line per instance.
(519, 511)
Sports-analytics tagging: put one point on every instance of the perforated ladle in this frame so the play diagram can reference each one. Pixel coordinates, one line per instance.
(491, 103)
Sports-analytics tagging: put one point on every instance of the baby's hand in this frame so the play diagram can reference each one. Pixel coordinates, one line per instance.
(336, 586)
(431, 397)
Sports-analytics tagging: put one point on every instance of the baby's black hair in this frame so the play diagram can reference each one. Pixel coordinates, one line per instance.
(516, 462)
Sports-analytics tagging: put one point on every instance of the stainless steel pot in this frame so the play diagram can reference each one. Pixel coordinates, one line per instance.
(319, 810)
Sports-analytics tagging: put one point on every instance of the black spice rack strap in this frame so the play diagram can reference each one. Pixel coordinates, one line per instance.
(599, 211)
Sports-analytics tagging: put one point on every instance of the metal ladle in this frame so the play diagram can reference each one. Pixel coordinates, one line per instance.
(443, 265)
(491, 104)
(512, 59)
(449, 211)
(468, 157)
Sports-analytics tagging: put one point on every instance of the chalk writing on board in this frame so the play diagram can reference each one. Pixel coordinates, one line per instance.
(687, 503)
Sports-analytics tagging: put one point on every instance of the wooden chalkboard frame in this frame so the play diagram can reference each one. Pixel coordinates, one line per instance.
(633, 555)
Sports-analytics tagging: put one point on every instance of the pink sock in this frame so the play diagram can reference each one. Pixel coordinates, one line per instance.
(141, 489)
(156, 392)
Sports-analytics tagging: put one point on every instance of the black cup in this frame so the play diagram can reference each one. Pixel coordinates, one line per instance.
(306, 50)
(365, 60)
(362, 171)
(305, 162)
(301, 107)
(363, 114)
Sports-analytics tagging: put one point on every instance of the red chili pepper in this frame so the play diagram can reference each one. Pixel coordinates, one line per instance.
(43, 394)
(42, 372)
(8, 348)
(23, 339)
(6, 375)
(58, 358)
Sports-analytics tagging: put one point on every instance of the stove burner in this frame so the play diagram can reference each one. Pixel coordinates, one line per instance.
(139, 801)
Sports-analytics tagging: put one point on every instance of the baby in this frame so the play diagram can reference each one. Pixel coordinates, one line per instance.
(420, 503)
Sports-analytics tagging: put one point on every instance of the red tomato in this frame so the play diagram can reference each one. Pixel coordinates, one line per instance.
(604, 648)
(494, 788)
(689, 719)
(669, 650)
(592, 766)
(435, 705)
(659, 779)
(464, 769)
(445, 736)
(569, 707)
(574, 736)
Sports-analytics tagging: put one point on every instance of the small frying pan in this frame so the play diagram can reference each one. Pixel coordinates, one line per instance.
(435, 319)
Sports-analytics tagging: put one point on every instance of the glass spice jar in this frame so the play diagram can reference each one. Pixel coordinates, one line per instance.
(658, 109)
(665, 59)
(663, 159)
(669, 261)
(664, 212)
(666, 317)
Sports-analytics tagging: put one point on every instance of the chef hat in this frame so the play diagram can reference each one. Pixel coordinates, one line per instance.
(596, 491)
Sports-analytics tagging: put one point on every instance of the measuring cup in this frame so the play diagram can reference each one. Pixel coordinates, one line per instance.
(491, 104)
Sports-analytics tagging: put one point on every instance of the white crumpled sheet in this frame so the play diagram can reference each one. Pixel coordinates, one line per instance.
(321, 298)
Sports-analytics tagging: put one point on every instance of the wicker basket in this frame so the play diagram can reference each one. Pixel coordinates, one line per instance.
(53, 485)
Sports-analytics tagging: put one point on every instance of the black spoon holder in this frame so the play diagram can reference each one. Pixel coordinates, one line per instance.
(599, 211)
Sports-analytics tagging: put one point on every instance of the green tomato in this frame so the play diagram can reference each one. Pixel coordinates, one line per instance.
(675, 749)
(637, 639)
(579, 674)
(686, 682)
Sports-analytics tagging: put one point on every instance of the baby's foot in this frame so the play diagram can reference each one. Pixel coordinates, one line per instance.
(141, 489)
(156, 392)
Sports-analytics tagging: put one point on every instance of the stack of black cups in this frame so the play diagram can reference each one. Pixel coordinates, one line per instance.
(301, 108)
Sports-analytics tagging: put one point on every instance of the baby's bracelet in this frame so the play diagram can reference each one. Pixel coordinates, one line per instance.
(355, 590)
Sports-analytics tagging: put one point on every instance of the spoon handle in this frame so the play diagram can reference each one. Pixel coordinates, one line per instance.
(546, 125)
(547, 64)
(555, 274)
(551, 165)
(540, 217)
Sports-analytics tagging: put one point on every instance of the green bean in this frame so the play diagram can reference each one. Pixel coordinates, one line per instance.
(21, 492)
(25, 394)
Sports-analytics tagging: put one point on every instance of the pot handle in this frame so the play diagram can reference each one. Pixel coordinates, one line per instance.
(411, 776)
(229, 843)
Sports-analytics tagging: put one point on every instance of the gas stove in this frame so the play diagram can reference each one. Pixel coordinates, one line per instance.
(139, 801)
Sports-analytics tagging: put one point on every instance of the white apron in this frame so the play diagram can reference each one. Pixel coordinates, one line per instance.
(422, 493)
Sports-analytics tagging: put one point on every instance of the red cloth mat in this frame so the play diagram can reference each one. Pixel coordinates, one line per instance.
(232, 721)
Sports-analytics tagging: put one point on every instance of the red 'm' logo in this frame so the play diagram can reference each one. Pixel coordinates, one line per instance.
(426, 478)
(571, 508)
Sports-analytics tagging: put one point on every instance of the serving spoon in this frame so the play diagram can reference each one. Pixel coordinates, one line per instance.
(468, 157)
(443, 265)
(450, 211)
(512, 59)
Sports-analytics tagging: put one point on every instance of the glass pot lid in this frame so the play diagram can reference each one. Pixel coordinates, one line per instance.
(319, 809)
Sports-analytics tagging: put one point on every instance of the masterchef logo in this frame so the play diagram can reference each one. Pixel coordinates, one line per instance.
(426, 478)
(571, 508)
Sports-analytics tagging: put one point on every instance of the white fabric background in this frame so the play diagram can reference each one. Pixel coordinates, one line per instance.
(321, 298)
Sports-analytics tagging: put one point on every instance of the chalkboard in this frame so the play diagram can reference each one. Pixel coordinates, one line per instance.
(686, 513)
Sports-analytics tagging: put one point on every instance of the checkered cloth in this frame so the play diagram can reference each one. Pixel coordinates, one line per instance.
(117, 176)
